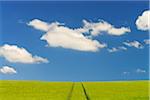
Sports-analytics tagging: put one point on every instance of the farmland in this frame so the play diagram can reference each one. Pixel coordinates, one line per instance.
(38, 90)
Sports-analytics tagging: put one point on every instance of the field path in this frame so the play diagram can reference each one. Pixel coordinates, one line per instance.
(85, 92)
(71, 92)
(77, 92)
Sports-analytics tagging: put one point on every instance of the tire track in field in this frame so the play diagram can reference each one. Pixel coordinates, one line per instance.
(71, 91)
(85, 92)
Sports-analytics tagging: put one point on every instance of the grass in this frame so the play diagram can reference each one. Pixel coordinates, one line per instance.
(37, 90)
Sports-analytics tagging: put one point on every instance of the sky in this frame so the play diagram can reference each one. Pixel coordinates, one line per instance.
(74, 41)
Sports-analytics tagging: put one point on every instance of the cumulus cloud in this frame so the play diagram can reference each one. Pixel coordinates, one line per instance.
(15, 54)
(147, 41)
(140, 70)
(135, 44)
(7, 70)
(38, 24)
(120, 48)
(103, 26)
(143, 21)
(58, 35)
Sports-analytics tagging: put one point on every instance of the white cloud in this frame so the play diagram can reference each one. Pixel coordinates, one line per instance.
(147, 41)
(7, 70)
(57, 35)
(135, 44)
(102, 26)
(120, 48)
(38, 24)
(14, 54)
(112, 50)
(140, 70)
(126, 73)
(143, 21)
(118, 31)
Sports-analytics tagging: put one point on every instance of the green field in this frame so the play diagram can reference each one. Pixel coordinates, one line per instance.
(37, 90)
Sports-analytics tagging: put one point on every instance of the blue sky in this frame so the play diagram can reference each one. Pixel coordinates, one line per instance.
(67, 64)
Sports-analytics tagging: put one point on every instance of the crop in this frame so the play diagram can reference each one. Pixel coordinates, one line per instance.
(34, 90)
(129, 90)
(37, 90)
